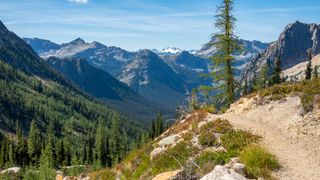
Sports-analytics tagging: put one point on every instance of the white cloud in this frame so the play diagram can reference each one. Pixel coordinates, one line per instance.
(79, 1)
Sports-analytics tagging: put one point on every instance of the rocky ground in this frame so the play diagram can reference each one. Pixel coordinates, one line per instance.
(289, 133)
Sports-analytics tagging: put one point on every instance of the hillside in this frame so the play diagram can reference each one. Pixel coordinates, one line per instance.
(103, 86)
(44, 116)
(151, 77)
(277, 119)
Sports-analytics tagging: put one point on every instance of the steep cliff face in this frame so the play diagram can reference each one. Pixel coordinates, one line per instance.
(292, 48)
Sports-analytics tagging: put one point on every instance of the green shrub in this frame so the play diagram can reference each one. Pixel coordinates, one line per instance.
(210, 159)
(207, 131)
(259, 161)
(74, 171)
(170, 159)
(31, 174)
(236, 140)
(209, 108)
(207, 138)
(221, 126)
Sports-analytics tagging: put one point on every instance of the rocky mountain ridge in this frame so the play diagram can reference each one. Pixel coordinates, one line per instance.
(291, 47)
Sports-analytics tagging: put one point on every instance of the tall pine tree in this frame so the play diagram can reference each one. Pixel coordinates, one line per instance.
(34, 143)
(227, 45)
(309, 65)
(276, 75)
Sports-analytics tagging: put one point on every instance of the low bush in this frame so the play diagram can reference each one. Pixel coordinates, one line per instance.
(221, 126)
(259, 161)
(209, 108)
(207, 138)
(172, 159)
(207, 160)
(207, 131)
(235, 140)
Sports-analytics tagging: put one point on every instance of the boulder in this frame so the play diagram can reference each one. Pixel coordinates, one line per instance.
(239, 168)
(167, 175)
(156, 151)
(223, 173)
(12, 170)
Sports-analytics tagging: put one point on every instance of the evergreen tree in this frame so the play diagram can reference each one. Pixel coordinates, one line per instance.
(276, 76)
(315, 71)
(309, 66)
(100, 145)
(46, 163)
(159, 124)
(61, 153)
(245, 89)
(152, 133)
(21, 155)
(34, 144)
(227, 45)
(262, 78)
(205, 90)
(51, 141)
(115, 140)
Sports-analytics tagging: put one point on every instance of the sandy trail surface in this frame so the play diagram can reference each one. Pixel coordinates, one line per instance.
(292, 137)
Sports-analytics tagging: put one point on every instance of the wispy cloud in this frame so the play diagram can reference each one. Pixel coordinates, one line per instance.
(79, 1)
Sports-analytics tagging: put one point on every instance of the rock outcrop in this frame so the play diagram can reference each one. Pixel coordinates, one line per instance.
(223, 173)
(292, 47)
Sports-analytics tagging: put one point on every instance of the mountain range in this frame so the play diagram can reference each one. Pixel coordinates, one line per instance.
(31, 90)
(162, 76)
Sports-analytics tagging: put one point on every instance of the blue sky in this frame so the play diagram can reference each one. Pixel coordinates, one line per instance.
(139, 24)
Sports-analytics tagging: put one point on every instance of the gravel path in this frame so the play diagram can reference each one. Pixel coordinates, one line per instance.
(298, 153)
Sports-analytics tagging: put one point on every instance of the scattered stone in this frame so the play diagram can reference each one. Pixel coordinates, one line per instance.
(167, 175)
(195, 142)
(12, 170)
(156, 151)
(201, 123)
(215, 149)
(223, 173)
(170, 140)
(239, 168)
(232, 162)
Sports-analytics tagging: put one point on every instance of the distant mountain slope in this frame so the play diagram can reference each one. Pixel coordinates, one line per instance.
(20, 55)
(190, 68)
(108, 58)
(249, 49)
(151, 77)
(32, 90)
(105, 87)
(131, 67)
(291, 46)
(41, 45)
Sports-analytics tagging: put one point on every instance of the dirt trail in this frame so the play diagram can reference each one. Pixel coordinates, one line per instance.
(280, 125)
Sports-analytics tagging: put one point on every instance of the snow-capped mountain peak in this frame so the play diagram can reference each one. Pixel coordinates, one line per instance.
(171, 50)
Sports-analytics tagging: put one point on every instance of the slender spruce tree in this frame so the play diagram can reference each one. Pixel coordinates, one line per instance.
(276, 75)
(227, 45)
(315, 72)
(309, 65)
(34, 143)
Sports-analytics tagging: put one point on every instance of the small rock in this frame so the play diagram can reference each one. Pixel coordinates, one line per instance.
(167, 175)
(239, 168)
(156, 151)
(195, 142)
(13, 170)
(223, 173)
(232, 162)
(215, 149)
(201, 123)
(170, 140)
